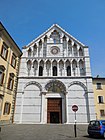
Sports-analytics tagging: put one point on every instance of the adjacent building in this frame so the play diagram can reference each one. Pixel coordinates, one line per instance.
(9, 65)
(99, 96)
(54, 75)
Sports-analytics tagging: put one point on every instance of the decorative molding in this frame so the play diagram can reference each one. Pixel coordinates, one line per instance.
(78, 83)
(33, 83)
(55, 83)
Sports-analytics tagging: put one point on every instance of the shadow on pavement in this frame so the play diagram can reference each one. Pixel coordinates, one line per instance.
(95, 137)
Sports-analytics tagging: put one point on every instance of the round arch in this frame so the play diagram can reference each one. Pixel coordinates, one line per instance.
(33, 83)
(55, 86)
(78, 83)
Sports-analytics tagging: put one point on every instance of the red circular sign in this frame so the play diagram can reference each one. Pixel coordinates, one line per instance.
(74, 108)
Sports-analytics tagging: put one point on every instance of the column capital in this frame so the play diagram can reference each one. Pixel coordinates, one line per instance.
(43, 92)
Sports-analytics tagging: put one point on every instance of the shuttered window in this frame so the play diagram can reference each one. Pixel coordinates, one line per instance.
(11, 81)
(4, 51)
(100, 99)
(1, 77)
(7, 107)
(102, 113)
(2, 71)
(13, 60)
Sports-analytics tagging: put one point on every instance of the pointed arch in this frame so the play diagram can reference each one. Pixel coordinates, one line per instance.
(64, 38)
(68, 68)
(29, 63)
(61, 64)
(75, 49)
(48, 67)
(29, 52)
(74, 64)
(40, 42)
(81, 67)
(54, 67)
(61, 67)
(34, 49)
(48, 64)
(45, 38)
(74, 67)
(41, 67)
(69, 42)
(80, 51)
(69, 47)
(35, 64)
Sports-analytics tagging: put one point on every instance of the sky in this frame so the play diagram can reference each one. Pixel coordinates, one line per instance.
(83, 19)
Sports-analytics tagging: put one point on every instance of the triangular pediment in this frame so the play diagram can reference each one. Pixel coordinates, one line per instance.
(48, 32)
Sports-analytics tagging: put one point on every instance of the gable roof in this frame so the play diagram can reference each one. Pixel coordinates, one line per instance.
(57, 26)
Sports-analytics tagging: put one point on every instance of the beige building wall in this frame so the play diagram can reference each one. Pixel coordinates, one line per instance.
(99, 96)
(9, 66)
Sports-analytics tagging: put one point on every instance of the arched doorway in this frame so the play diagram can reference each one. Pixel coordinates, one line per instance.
(56, 102)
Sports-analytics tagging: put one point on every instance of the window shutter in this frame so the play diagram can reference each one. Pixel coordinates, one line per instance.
(9, 108)
(2, 50)
(6, 54)
(12, 84)
(12, 60)
(15, 63)
(8, 83)
(4, 109)
(2, 78)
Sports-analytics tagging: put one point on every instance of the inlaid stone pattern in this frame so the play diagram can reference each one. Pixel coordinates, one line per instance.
(54, 66)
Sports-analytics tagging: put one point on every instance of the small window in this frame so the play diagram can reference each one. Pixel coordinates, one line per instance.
(1, 77)
(29, 52)
(7, 107)
(54, 71)
(2, 69)
(11, 81)
(100, 99)
(40, 71)
(4, 51)
(102, 113)
(68, 71)
(13, 61)
(99, 86)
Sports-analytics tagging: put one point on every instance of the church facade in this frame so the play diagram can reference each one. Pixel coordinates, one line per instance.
(54, 75)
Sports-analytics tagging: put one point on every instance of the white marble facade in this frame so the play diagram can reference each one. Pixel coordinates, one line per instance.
(54, 65)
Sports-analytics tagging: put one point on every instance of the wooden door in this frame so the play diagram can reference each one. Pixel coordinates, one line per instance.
(54, 110)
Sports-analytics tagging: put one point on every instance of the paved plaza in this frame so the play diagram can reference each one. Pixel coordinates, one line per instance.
(43, 132)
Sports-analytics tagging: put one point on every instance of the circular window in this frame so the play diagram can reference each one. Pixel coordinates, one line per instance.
(55, 50)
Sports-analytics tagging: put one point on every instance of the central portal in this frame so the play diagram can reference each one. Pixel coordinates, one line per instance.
(54, 110)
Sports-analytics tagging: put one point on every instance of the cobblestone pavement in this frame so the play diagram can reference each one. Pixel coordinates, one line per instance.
(43, 132)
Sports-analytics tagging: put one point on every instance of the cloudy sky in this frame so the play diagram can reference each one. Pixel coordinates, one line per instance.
(83, 19)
